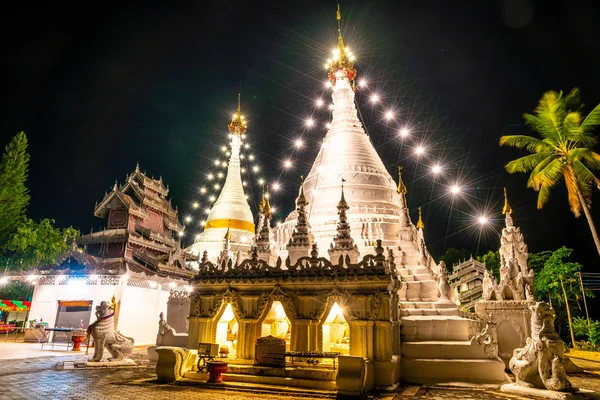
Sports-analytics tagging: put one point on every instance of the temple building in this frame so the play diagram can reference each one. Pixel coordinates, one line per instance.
(347, 272)
(137, 261)
(467, 280)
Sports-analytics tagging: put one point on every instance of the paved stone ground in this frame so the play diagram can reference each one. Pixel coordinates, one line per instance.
(39, 378)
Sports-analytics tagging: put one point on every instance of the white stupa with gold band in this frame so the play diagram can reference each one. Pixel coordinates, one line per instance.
(230, 215)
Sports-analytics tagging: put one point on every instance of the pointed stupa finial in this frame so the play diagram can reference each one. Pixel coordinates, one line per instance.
(341, 64)
(137, 167)
(342, 204)
(116, 186)
(506, 208)
(228, 234)
(401, 187)
(301, 198)
(238, 121)
(420, 223)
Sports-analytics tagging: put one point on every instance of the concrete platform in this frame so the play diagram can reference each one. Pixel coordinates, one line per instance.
(582, 394)
(109, 364)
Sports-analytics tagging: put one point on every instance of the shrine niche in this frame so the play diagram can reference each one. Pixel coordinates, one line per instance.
(227, 332)
(336, 332)
(277, 324)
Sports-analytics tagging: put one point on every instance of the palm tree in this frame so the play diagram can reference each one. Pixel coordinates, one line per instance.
(563, 150)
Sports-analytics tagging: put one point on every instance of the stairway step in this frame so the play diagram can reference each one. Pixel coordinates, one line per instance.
(416, 328)
(326, 374)
(429, 311)
(441, 370)
(443, 349)
(280, 381)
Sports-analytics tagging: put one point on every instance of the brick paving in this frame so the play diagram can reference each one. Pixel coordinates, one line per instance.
(41, 378)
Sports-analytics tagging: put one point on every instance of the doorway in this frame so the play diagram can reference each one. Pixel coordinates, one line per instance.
(336, 332)
(277, 324)
(227, 333)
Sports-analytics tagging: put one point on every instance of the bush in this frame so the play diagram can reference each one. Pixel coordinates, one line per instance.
(590, 332)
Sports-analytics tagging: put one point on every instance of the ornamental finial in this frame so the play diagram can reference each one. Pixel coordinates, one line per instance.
(420, 224)
(238, 121)
(341, 65)
(401, 187)
(506, 208)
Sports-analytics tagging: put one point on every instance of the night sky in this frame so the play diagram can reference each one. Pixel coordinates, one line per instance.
(100, 87)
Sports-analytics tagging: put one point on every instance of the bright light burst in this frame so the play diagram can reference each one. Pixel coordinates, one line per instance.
(261, 181)
(436, 169)
(483, 220)
(255, 168)
(419, 150)
(276, 186)
(455, 189)
(404, 132)
(298, 143)
(319, 102)
(287, 164)
(196, 205)
(389, 115)
(362, 83)
(374, 98)
(188, 218)
(310, 122)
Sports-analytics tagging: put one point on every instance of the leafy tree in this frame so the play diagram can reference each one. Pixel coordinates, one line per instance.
(14, 196)
(587, 329)
(537, 260)
(558, 282)
(563, 151)
(37, 243)
(454, 256)
(16, 290)
(492, 262)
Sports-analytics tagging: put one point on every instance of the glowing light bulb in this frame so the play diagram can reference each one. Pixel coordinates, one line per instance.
(324, 145)
(243, 170)
(180, 233)
(374, 98)
(224, 148)
(255, 168)
(298, 143)
(436, 169)
(389, 115)
(207, 210)
(261, 181)
(404, 132)
(319, 102)
(276, 186)
(483, 220)
(203, 222)
(196, 205)
(202, 190)
(455, 189)
(210, 177)
(273, 209)
(217, 163)
(242, 156)
(244, 183)
(267, 195)
(328, 126)
(246, 146)
(362, 83)
(310, 122)
(220, 175)
(217, 187)
(188, 218)
(419, 150)
(212, 198)
(251, 157)
(278, 223)
(331, 106)
(287, 164)
(197, 237)
(328, 84)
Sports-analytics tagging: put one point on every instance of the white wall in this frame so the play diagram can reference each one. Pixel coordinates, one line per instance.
(138, 315)
(44, 303)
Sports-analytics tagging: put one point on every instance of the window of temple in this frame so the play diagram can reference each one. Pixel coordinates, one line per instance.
(336, 332)
(227, 332)
(277, 324)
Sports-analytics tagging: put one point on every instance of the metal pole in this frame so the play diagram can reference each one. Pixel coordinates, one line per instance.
(583, 295)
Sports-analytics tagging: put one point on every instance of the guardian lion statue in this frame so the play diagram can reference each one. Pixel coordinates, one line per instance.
(540, 363)
(104, 334)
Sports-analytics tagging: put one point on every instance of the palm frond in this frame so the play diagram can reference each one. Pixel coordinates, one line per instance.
(551, 113)
(530, 143)
(591, 121)
(587, 156)
(527, 163)
(572, 101)
(551, 136)
(537, 169)
(543, 196)
(586, 180)
(549, 175)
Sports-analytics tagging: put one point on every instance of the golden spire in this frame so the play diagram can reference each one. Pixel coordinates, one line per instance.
(238, 121)
(401, 188)
(341, 65)
(420, 224)
(506, 208)
(228, 234)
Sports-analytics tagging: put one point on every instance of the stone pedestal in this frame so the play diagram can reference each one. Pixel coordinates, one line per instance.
(581, 394)
(513, 323)
(215, 369)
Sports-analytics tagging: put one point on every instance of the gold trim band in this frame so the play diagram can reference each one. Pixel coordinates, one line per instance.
(230, 223)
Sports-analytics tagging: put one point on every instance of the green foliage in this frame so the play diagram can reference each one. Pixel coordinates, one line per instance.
(492, 262)
(37, 244)
(454, 256)
(16, 290)
(562, 151)
(589, 332)
(557, 269)
(14, 196)
(537, 260)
